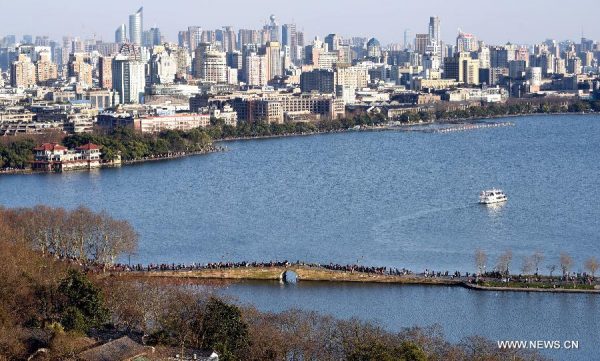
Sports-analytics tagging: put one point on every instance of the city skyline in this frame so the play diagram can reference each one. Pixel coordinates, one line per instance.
(538, 19)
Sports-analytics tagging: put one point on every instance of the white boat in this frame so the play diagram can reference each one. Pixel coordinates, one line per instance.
(492, 196)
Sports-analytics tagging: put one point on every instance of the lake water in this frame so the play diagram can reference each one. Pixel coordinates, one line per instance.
(401, 199)
(498, 316)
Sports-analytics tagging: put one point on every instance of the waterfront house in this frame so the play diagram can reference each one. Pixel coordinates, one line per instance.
(55, 157)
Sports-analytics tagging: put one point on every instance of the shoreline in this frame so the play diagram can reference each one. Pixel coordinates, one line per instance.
(375, 128)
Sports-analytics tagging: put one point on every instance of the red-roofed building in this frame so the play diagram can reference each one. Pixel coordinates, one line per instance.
(55, 157)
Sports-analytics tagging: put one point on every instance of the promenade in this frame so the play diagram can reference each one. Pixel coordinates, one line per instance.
(307, 272)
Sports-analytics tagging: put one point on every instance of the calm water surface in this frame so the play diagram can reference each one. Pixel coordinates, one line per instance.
(385, 198)
(460, 312)
(402, 199)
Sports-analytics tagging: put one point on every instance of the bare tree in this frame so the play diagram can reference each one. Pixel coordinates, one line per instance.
(551, 268)
(592, 265)
(527, 265)
(480, 260)
(504, 260)
(566, 262)
(537, 258)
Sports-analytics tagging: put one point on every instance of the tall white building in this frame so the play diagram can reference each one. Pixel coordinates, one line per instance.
(210, 64)
(136, 26)
(163, 66)
(129, 79)
(255, 70)
(121, 34)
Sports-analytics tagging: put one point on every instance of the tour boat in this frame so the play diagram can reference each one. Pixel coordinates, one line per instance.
(492, 196)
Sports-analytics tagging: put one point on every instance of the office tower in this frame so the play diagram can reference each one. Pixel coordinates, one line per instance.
(121, 34)
(407, 42)
(574, 65)
(274, 62)
(247, 36)
(136, 26)
(484, 57)
(462, 68)
(516, 69)
(105, 72)
(22, 72)
(421, 43)
(229, 40)
(373, 48)
(129, 79)
(151, 37)
(210, 64)
(27, 39)
(274, 33)
(42, 41)
(290, 38)
(163, 65)
(333, 42)
(184, 59)
(255, 71)
(466, 42)
(80, 68)
(45, 69)
(434, 30)
(208, 36)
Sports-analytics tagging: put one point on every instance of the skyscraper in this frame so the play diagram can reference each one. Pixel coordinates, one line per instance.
(128, 79)
(434, 30)
(121, 34)
(136, 26)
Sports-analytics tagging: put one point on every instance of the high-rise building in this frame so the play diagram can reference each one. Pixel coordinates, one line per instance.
(229, 40)
(210, 64)
(136, 26)
(434, 30)
(247, 36)
(163, 65)
(22, 72)
(105, 72)
(121, 34)
(274, 33)
(255, 71)
(462, 68)
(466, 42)
(421, 43)
(80, 68)
(274, 60)
(333, 42)
(151, 37)
(290, 38)
(45, 69)
(129, 79)
(373, 48)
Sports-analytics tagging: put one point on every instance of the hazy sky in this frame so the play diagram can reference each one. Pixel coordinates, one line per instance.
(518, 21)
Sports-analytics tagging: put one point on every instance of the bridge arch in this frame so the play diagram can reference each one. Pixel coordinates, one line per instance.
(289, 276)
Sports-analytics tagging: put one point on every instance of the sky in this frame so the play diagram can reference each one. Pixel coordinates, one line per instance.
(495, 22)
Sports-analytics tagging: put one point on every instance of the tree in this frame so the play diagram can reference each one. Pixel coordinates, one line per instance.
(504, 260)
(224, 330)
(527, 265)
(551, 268)
(480, 260)
(537, 258)
(592, 265)
(566, 262)
(82, 306)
